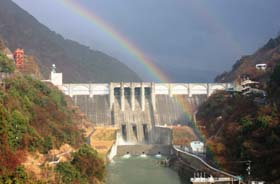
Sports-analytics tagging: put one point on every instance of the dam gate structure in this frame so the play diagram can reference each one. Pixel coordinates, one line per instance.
(136, 109)
(141, 111)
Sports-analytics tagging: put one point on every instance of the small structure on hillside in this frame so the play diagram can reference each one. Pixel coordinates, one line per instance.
(197, 147)
(261, 66)
(247, 85)
(19, 57)
(250, 87)
(56, 78)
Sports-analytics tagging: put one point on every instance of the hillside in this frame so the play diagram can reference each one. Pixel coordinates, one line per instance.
(268, 54)
(78, 63)
(42, 134)
(238, 128)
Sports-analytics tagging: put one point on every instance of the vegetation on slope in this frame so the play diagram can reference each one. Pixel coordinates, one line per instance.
(238, 129)
(103, 139)
(86, 167)
(183, 135)
(6, 65)
(36, 117)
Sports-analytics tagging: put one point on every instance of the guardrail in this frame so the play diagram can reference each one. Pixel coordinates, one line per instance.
(205, 163)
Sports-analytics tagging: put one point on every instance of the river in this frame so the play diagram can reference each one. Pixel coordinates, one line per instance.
(140, 170)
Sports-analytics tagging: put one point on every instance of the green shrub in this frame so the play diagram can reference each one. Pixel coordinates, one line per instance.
(47, 144)
(86, 160)
(263, 121)
(18, 127)
(247, 124)
(6, 65)
(67, 173)
(34, 117)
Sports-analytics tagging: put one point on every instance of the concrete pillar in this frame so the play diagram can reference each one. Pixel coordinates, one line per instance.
(90, 90)
(140, 133)
(170, 90)
(111, 95)
(75, 99)
(142, 96)
(190, 90)
(122, 97)
(70, 91)
(132, 96)
(208, 90)
(228, 85)
(153, 95)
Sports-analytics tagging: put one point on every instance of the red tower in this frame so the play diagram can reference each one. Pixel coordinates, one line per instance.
(19, 57)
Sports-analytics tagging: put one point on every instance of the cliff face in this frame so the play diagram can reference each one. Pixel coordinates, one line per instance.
(268, 54)
(77, 62)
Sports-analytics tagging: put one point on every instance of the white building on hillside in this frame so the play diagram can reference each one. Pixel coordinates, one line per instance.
(261, 66)
(197, 147)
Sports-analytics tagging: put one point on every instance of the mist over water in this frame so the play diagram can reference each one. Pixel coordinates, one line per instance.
(140, 170)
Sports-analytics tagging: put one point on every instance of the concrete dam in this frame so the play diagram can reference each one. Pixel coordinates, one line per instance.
(140, 110)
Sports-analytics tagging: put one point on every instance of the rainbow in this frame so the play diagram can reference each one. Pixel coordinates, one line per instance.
(126, 44)
(116, 36)
(131, 48)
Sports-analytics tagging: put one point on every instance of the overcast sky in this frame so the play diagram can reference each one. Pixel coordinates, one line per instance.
(190, 40)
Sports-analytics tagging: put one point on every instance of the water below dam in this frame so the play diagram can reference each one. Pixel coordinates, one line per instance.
(140, 170)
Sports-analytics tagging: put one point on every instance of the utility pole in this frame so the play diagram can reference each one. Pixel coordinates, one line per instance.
(249, 170)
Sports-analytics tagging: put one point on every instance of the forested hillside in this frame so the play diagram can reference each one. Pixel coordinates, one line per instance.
(35, 120)
(237, 128)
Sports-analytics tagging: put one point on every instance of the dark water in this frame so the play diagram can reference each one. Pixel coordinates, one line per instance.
(139, 170)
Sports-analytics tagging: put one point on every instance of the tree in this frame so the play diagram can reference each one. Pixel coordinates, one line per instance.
(6, 64)
(17, 129)
(68, 173)
(274, 86)
(89, 164)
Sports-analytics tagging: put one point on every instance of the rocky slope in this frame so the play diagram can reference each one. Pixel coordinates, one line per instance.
(78, 63)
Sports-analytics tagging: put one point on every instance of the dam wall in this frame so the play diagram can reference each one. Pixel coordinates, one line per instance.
(162, 135)
(138, 108)
(96, 108)
(141, 103)
(176, 109)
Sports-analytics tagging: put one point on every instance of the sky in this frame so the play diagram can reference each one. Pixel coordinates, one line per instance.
(189, 40)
